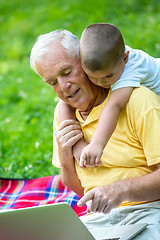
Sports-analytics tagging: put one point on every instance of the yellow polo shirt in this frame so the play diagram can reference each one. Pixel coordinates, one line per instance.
(134, 147)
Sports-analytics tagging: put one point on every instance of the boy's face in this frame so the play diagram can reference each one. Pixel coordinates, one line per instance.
(106, 77)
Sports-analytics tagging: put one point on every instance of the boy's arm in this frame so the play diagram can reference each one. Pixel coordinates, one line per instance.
(110, 114)
(65, 112)
(106, 126)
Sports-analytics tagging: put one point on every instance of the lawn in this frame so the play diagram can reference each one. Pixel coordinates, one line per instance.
(26, 103)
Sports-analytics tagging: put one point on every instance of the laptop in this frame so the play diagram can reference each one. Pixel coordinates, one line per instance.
(56, 222)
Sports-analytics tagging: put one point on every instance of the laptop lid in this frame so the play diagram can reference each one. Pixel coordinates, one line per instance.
(56, 222)
(47, 222)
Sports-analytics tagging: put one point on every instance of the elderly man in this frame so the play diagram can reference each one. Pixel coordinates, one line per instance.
(128, 181)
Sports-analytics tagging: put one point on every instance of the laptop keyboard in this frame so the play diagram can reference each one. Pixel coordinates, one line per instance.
(111, 239)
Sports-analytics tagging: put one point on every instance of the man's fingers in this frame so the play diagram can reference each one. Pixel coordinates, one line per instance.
(66, 123)
(74, 139)
(67, 126)
(69, 138)
(88, 196)
(89, 205)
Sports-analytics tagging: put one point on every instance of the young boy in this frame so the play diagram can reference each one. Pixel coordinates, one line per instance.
(110, 64)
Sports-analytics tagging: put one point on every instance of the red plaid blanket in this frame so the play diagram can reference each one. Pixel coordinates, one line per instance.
(40, 191)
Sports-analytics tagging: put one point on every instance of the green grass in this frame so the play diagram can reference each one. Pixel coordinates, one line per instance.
(26, 103)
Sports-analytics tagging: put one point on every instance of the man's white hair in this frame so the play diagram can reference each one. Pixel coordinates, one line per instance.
(69, 41)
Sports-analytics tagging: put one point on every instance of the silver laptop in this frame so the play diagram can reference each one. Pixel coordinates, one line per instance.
(56, 222)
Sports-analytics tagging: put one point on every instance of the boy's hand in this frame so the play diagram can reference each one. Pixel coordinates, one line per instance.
(91, 156)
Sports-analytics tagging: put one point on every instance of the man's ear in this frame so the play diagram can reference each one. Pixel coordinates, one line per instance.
(126, 56)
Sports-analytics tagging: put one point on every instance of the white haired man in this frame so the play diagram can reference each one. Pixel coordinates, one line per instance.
(126, 186)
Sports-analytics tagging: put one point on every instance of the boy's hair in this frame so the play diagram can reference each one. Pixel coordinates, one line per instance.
(101, 46)
(67, 40)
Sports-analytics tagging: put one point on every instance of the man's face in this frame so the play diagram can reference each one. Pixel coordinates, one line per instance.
(66, 77)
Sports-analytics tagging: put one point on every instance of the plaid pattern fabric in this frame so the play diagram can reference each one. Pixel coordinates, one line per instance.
(45, 190)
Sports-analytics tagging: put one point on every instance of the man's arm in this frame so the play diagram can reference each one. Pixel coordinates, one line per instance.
(67, 134)
(105, 198)
(145, 188)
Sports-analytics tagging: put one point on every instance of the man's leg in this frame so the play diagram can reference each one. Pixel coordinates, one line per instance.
(143, 213)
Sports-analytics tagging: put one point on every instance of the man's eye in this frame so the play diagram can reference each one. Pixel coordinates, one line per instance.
(110, 75)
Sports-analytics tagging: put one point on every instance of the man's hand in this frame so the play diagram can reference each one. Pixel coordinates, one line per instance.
(103, 199)
(68, 133)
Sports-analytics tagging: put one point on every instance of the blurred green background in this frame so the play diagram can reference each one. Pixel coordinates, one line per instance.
(26, 103)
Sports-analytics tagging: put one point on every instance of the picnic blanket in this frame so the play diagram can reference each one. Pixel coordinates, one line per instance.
(40, 191)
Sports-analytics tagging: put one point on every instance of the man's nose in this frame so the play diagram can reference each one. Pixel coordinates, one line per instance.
(64, 84)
